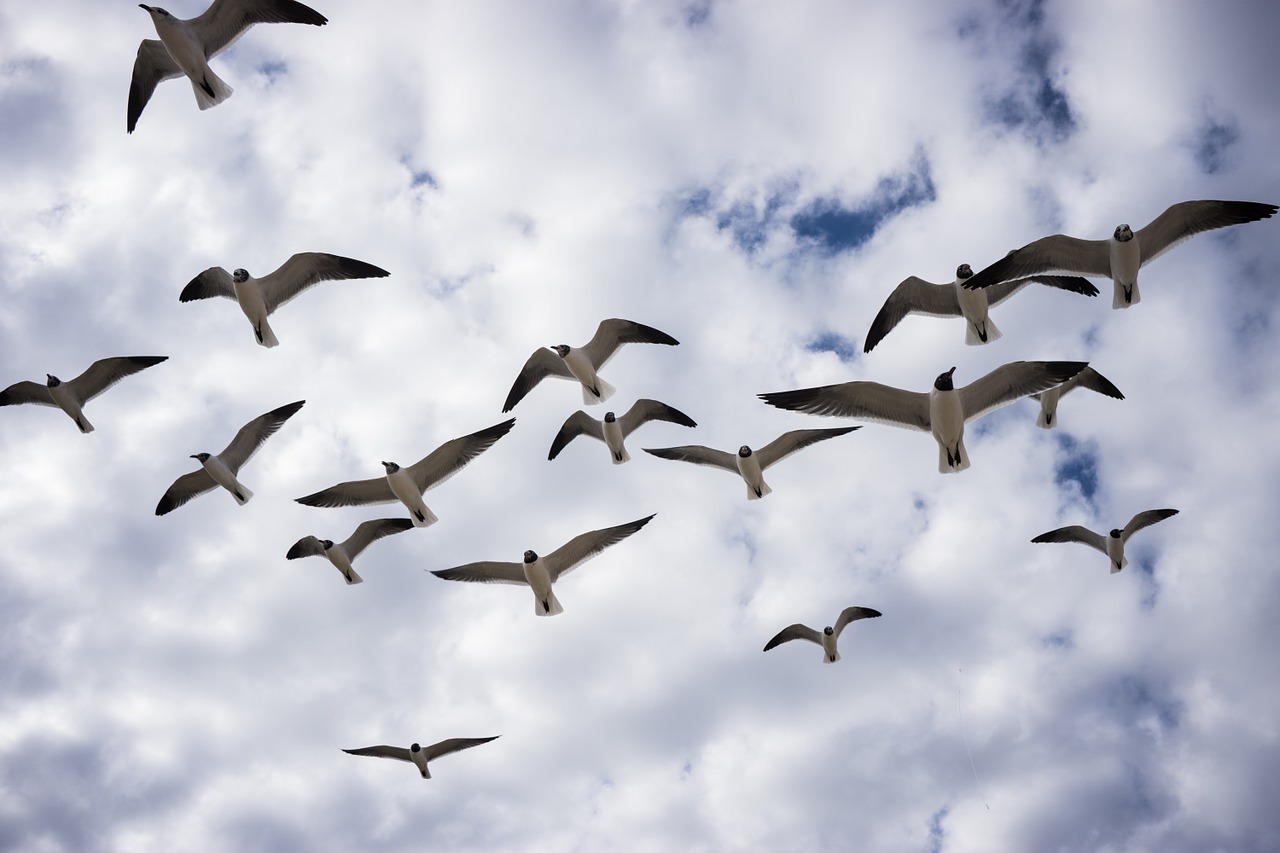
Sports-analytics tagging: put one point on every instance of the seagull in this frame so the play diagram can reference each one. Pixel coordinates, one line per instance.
(221, 470)
(539, 573)
(70, 396)
(612, 430)
(420, 755)
(917, 296)
(749, 464)
(407, 484)
(185, 47)
(343, 553)
(943, 411)
(830, 635)
(581, 363)
(1121, 257)
(259, 297)
(1087, 378)
(1113, 543)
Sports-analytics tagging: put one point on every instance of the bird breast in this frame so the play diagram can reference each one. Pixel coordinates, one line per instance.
(182, 45)
(973, 304)
(580, 366)
(403, 487)
(1125, 259)
(537, 576)
(612, 436)
(946, 415)
(249, 295)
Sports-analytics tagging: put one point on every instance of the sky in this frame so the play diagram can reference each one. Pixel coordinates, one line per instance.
(753, 179)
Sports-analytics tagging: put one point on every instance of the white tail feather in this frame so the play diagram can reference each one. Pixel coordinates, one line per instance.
(551, 600)
(1117, 297)
(268, 336)
(972, 338)
(221, 91)
(238, 492)
(606, 391)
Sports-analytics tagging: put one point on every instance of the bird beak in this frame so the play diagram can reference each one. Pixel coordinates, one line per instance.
(951, 371)
(144, 6)
(194, 456)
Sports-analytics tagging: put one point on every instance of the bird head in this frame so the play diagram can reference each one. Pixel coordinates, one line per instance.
(240, 276)
(1123, 234)
(828, 630)
(964, 271)
(203, 457)
(155, 11)
(415, 747)
(744, 451)
(530, 556)
(1116, 533)
(610, 417)
(943, 382)
(562, 350)
(391, 467)
(51, 380)
(326, 543)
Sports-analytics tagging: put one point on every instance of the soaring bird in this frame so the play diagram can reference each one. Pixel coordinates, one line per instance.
(1088, 378)
(612, 430)
(185, 47)
(581, 363)
(943, 411)
(747, 463)
(1126, 252)
(408, 484)
(1113, 543)
(221, 470)
(259, 297)
(342, 553)
(70, 396)
(539, 573)
(419, 755)
(830, 635)
(917, 296)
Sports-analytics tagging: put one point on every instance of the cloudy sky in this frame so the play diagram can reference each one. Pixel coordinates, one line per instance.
(754, 179)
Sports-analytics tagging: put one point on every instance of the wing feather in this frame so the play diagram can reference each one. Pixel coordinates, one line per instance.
(252, 435)
(581, 548)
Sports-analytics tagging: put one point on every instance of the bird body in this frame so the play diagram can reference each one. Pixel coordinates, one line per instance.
(341, 554)
(64, 398)
(249, 298)
(418, 755)
(829, 636)
(946, 423)
(613, 430)
(72, 395)
(1087, 378)
(223, 476)
(406, 491)
(1113, 543)
(187, 51)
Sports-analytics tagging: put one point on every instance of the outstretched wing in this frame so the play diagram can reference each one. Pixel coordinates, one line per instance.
(1057, 253)
(226, 20)
(1145, 519)
(912, 296)
(645, 410)
(184, 489)
(308, 268)
(399, 753)
(541, 364)
(579, 423)
(613, 333)
(850, 614)
(698, 455)
(1075, 533)
(1012, 381)
(26, 392)
(1188, 218)
(254, 433)
(581, 548)
(307, 546)
(794, 632)
(789, 442)
(998, 293)
(215, 281)
(859, 399)
(375, 490)
(105, 372)
(486, 571)
(152, 65)
(371, 531)
(454, 744)
(450, 457)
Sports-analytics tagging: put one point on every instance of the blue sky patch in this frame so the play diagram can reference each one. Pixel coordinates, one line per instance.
(1077, 467)
(1211, 144)
(836, 228)
(844, 348)
(273, 70)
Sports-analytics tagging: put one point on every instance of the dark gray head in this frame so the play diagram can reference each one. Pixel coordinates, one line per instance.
(415, 748)
(561, 349)
(943, 382)
(1115, 533)
(391, 467)
(610, 417)
(203, 457)
(240, 276)
(51, 380)
(1123, 234)
(326, 543)
(530, 556)
(828, 630)
(744, 451)
(964, 271)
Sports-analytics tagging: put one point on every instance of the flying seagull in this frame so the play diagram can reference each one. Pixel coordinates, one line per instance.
(917, 296)
(612, 430)
(1113, 543)
(830, 635)
(749, 464)
(407, 484)
(185, 47)
(221, 470)
(420, 755)
(342, 553)
(1120, 257)
(1087, 378)
(581, 363)
(539, 573)
(70, 396)
(259, 297)
(943, 411)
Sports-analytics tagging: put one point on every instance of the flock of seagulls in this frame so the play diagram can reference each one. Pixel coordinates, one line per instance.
(185, 47)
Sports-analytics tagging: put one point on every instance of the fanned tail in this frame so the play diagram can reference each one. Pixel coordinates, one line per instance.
(606, 391)
(220, 90)
(553, 605)
(973, 337)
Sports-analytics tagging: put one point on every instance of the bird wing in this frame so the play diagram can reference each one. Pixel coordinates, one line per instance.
(450, 457)
(789, 442)
(184, 489)
(375, 490)
(794, 632)
(1011, 381)
(698, 455)
(370, 531)
(307, 268)
(307, 546)
(581, 548)
(399, 753)
(1057, 253)
(1188, 218)
(613, 333)
(454, 744)
(912, 296)
(215, 281)
(869, 400)
(152, 65)
(254, 433)
(226, 20)
(998, 293)
(486, 571)
(543, 363)
(579, 423)
(1091, 380)
(1075, 533)
(26, 392)
(645, 410)
(105, 372)
(1144, 519)
(851, 614)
